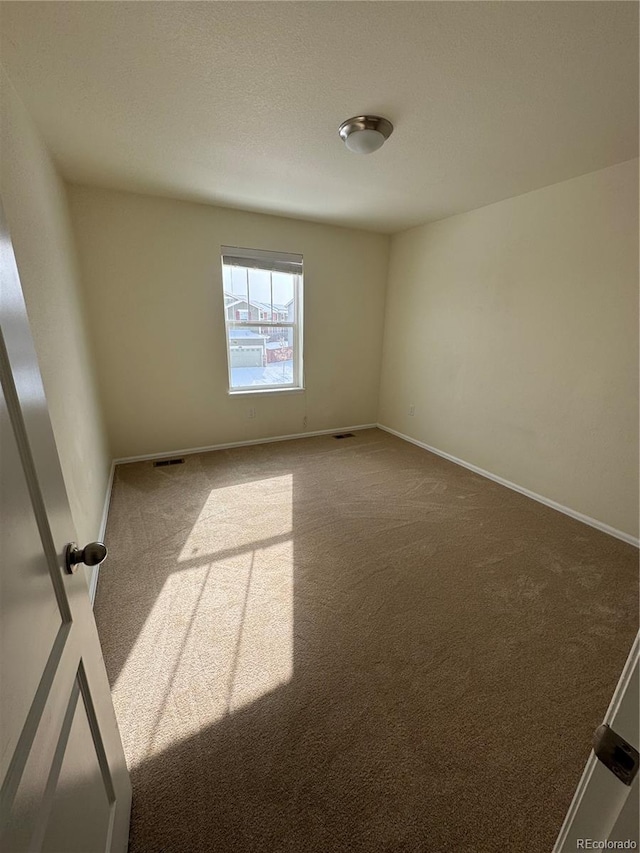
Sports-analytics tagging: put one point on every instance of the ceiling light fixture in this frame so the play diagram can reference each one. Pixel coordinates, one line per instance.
(365, 134)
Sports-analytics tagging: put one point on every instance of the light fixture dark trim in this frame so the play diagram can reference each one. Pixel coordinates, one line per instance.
(382, 125)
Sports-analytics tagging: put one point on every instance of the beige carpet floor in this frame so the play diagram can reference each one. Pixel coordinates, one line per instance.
(326, 645)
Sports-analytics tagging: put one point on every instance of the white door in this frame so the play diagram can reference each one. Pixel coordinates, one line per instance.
(65, 785)
(604, 808)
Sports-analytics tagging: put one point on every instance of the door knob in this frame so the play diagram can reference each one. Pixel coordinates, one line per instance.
(91, 555)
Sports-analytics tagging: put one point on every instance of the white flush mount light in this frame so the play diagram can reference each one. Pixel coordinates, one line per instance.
(365, 134)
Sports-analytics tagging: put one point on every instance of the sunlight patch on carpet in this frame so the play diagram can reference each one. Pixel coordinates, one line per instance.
(220, 632)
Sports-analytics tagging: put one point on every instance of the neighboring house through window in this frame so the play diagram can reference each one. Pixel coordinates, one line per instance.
(263, 319)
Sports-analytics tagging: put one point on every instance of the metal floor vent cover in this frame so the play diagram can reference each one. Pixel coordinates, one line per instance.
(344, 435)
(161, 463)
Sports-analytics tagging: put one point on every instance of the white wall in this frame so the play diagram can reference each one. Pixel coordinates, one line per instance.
(36, 209)
(152, 277)
(513, 329)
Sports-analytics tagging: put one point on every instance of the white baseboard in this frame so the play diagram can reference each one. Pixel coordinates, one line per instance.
(585, 519)
(190, 450)
(93, 584)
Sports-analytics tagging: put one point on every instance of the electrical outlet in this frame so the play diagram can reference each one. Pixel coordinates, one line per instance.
(251, 413)
(412, 410)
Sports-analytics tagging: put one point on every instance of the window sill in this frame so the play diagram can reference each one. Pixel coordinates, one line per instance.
(244, 392)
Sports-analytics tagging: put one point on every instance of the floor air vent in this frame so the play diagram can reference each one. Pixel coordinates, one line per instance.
(344, 435)
(160, 463)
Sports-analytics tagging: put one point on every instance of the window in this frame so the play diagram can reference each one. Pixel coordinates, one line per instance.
(263, 318)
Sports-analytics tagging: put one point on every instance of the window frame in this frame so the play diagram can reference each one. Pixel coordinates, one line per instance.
(265, 261)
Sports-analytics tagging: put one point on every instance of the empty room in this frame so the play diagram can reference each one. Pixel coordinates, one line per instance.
(319, 361)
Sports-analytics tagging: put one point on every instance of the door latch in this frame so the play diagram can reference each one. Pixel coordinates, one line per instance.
(616, 753)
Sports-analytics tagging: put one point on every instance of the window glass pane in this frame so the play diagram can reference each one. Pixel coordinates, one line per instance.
(260, 288)
(271, 295)
(260, 355)
(235, 281)
(283, 296)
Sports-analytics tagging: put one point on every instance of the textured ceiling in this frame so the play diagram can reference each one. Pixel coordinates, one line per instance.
(239, 103)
